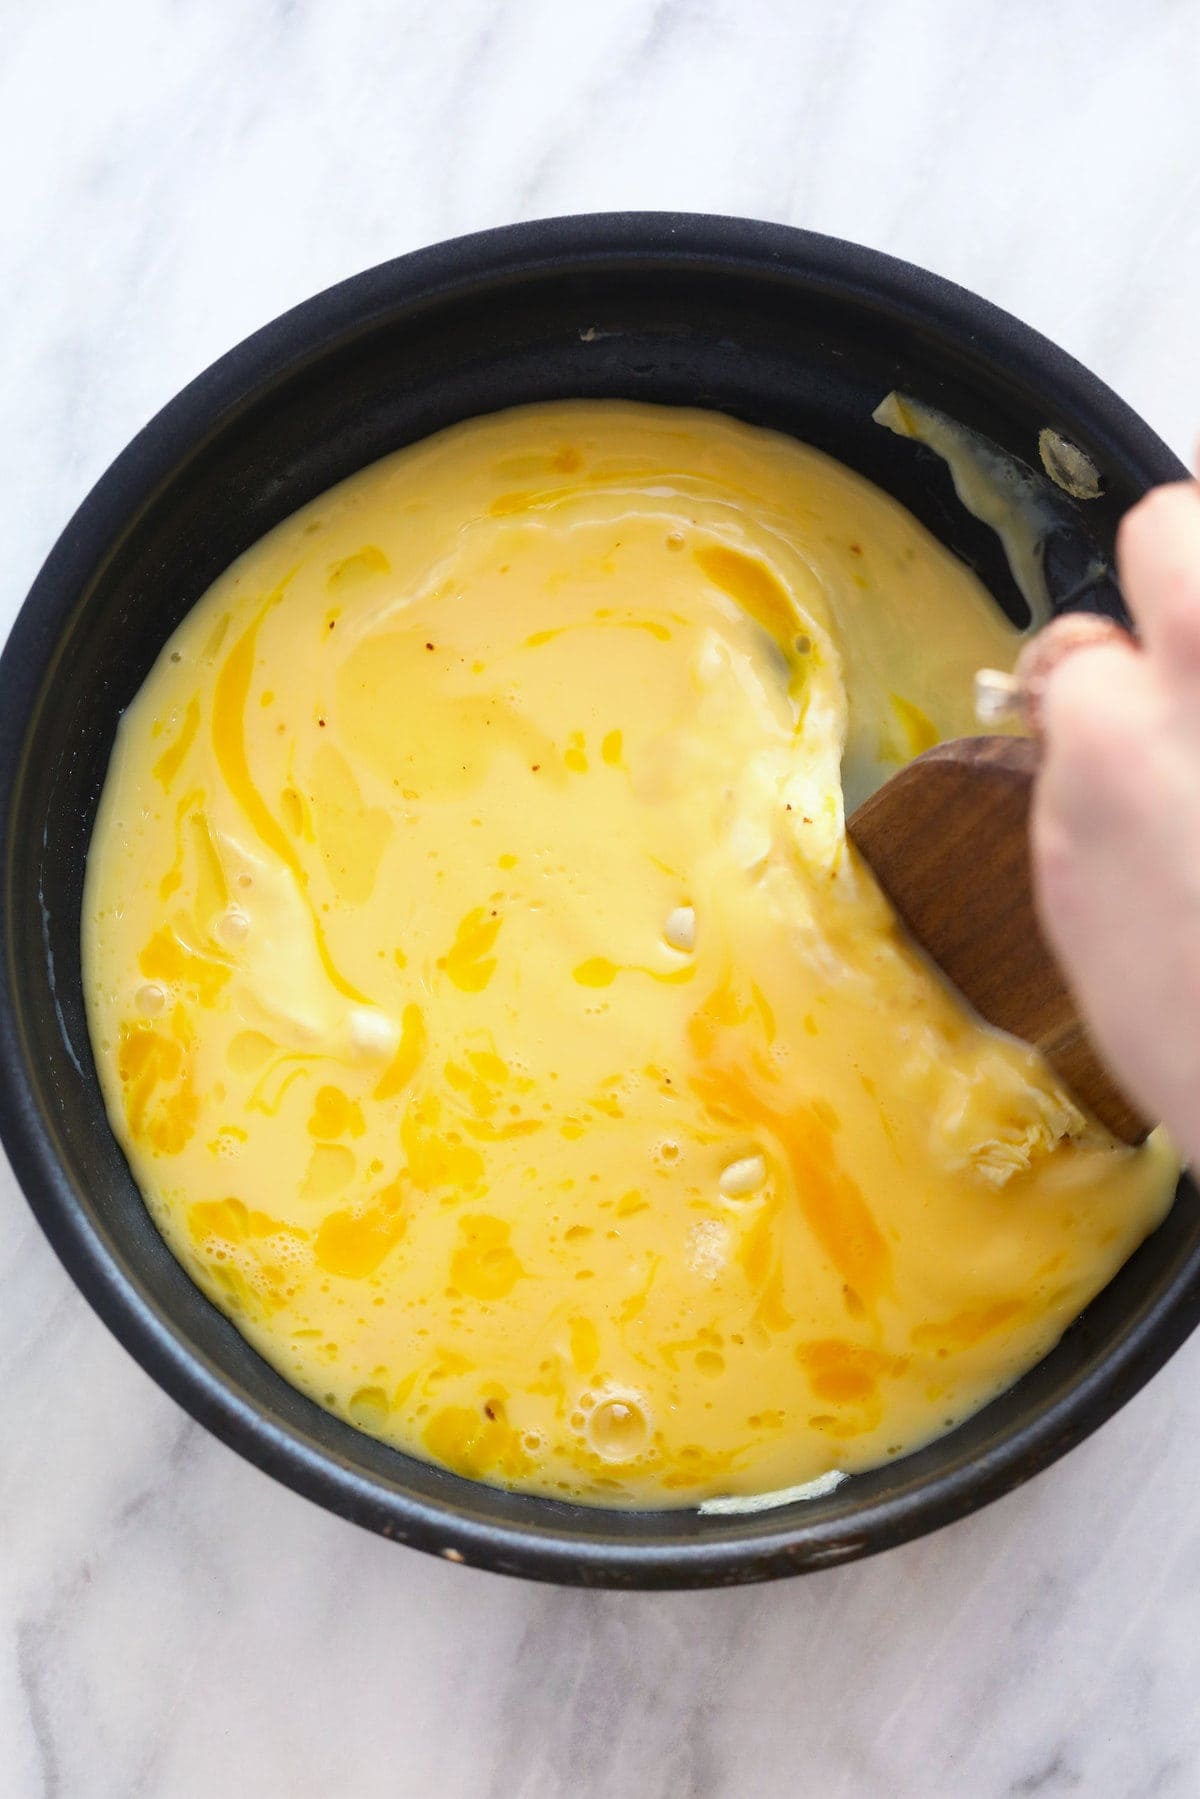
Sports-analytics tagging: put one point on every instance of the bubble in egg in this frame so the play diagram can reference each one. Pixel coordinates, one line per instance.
(618, 1429)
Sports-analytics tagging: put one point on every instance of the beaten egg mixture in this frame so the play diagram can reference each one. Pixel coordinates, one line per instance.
(497, 1023)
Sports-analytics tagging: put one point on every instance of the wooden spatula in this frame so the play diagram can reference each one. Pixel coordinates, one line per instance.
(948, 841)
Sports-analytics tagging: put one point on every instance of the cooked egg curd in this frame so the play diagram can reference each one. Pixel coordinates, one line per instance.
(497, 1023)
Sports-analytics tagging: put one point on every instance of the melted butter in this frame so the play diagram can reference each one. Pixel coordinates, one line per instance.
(495, 1018)
(1003, 493)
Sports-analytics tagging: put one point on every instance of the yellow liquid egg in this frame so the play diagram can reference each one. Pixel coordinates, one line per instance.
(495, 1019)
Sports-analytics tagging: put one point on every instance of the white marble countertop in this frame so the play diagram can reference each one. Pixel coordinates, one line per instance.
(172, 1623)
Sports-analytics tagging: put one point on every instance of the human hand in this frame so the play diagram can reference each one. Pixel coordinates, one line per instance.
(1116, 819)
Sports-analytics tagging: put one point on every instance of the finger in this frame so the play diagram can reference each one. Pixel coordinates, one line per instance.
(1090, 822)
(1098, 715)
(1158, 559)
(1061, 638)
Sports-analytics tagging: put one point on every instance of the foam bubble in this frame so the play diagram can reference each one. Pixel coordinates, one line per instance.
(680, 929)
(707, 1248)
(233, 926)
(743, 1177)
(618, 1429)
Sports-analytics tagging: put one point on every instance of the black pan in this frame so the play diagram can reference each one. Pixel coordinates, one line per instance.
(778, 327)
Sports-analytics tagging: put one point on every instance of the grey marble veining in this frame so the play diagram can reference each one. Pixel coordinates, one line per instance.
(172, 1623)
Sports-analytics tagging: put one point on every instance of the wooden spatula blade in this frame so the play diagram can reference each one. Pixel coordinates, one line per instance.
(948, 841)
